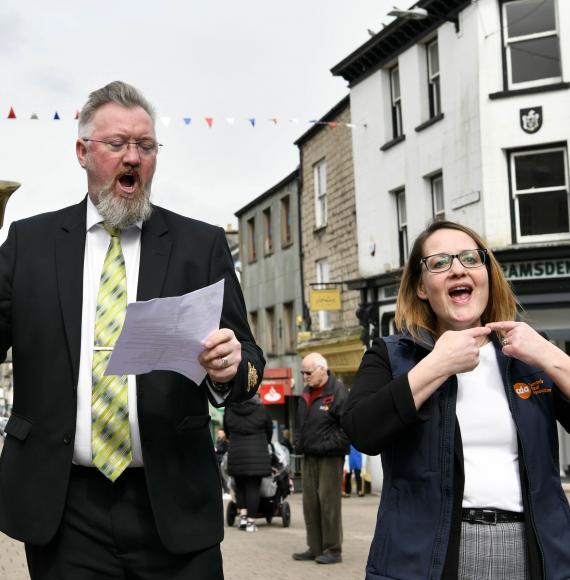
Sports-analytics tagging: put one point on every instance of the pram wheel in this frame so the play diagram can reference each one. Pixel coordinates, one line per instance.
(231, 513)
(285, 514)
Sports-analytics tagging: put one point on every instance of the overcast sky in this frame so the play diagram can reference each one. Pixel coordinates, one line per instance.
(193, 58)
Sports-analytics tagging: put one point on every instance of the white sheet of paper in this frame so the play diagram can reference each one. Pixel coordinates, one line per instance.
(167, 334)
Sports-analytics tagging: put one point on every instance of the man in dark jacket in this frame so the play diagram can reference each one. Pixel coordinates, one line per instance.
(320, 438)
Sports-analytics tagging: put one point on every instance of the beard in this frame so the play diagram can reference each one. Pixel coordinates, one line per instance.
(120, 212)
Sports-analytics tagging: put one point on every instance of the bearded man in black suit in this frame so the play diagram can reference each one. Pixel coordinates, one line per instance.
(158, 515)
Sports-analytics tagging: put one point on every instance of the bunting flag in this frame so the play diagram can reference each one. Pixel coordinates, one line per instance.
(254, 122)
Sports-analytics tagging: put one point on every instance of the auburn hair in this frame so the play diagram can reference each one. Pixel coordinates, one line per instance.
(414, 314)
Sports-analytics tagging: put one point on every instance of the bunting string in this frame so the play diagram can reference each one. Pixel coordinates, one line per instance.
(211, 122)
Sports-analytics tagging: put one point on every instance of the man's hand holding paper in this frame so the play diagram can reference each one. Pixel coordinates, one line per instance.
(221, 355)
(179, 333)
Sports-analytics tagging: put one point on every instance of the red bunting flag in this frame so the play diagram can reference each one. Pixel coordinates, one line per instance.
(11, 114)
(210, 121)
(273, 120)
(332, 124)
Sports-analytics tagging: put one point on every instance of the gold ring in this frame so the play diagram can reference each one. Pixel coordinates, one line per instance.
(505, 341)
(225, 362)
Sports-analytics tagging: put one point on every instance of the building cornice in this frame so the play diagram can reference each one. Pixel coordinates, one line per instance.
(397, 37)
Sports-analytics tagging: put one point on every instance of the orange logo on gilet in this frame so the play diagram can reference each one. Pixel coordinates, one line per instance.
(522, 390)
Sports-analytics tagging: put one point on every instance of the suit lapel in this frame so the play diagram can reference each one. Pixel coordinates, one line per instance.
(155, 253)
(69, 258)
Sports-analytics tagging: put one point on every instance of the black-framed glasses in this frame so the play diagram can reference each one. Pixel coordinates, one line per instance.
(119, 145)
(442, 262)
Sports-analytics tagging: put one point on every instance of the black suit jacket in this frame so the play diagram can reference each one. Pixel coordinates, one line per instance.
(41, 290)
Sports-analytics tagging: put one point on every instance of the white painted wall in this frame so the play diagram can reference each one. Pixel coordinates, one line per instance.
(469, 145)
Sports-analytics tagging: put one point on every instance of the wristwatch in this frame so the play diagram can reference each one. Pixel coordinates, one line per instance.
(221, 388)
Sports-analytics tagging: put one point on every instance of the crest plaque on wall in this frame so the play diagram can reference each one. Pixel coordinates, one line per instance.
(531, 119)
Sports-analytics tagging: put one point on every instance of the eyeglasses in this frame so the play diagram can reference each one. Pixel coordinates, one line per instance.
(442, 262)
(146, 147)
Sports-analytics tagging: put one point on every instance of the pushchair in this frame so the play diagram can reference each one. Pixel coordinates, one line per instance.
(274, 489)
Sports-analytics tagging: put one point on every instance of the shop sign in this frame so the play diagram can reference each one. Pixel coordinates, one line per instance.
(272, 393)
(537, 269)
(327, 299)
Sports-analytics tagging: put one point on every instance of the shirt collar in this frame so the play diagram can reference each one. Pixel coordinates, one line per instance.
(94, 217)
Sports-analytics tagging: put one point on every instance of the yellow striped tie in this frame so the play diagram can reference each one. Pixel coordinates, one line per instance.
(110, 432)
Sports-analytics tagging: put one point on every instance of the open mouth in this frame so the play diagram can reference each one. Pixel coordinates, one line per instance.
(460, 294)
(128, 182)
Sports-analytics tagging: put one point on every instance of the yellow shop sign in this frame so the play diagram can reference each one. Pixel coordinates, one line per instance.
(327, 299)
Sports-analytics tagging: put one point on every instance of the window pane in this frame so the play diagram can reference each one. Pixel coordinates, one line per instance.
(530, 17)
(535, 59)
(538, 170)
(437, 188)
(402, 209)
(395, 84)
(543, 213)
(433, 59)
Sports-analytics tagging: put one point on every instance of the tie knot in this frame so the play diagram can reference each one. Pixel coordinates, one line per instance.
(113, 231)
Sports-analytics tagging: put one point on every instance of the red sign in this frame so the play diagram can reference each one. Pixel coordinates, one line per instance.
(272, 393)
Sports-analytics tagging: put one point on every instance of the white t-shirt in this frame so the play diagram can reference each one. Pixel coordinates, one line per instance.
(490, 449)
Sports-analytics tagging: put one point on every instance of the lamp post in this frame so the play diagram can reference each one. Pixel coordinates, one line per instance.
(418, 13)
(7, 188)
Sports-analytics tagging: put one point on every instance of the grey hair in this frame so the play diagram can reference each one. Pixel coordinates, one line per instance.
(116, 92)
(320, 360)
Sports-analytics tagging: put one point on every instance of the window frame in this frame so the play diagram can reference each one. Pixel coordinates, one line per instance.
(396, 103)
(515, 194)
(509, 42)
(321, 201)
(267, 231)
(437, 215)
(322, 276)
(286, 221)
(289, 327)
(403, 246)
(251, 249)
(434, 82)
(270, 335)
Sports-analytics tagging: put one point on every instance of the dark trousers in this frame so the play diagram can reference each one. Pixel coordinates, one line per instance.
(348, 481)
(247, 493)
(108, 531)
(322, 486)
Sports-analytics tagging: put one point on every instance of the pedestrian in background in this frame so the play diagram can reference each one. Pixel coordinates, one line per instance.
(354, 466)
(463, 407)
(221, 448)
(249, 430)
(320, 438)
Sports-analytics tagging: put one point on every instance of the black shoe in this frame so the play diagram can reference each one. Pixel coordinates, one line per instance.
(328, 558)
(304, 556)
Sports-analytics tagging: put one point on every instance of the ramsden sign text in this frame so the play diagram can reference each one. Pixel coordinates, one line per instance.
(533, 269)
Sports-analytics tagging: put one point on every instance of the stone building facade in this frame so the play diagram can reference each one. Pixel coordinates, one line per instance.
(329, 239)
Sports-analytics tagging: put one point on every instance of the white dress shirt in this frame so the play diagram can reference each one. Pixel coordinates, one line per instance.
(96, 245)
